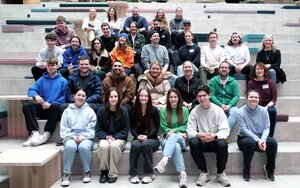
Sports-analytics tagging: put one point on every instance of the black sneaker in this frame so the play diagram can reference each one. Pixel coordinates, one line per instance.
(269, 174)
(246, 174)
(103, 178)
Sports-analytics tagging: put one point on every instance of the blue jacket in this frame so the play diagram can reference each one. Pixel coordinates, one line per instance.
(72, 57)
(92, 89)
(109, 126)
(52, 90)
(141, 22)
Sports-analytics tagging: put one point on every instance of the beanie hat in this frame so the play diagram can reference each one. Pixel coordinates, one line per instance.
(124, 35)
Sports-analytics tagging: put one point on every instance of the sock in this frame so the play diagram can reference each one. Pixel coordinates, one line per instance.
(165, 159)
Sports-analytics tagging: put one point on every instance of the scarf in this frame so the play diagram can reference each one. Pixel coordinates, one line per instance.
(155, 81)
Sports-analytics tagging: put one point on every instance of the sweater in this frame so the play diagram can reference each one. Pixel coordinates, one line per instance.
(151, 54)
(78, 122)
(211, 120)
(237, 55)
(140, 20)
(52, 90)
(253, 123)
(212, 57)
(46, 53)
(269, 57)
(71, 57)
(109, 42)
(228, 94)
(135, 131)
(190, 53)
(266, 89)
(110, 126)
(178, 128)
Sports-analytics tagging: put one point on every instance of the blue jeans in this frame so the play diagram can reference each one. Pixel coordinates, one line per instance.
(231, 116)
(272, 74)
(85, 150)
(172, 148)
(272, 115)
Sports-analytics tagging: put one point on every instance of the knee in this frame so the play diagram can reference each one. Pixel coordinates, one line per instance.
(135, 146)
(194, 143)
(103, 146)
(222, 145)
(70, 147)
(84, 148)
(271, 142)
(27, 106)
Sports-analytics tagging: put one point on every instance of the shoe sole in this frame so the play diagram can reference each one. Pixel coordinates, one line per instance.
(198, 184)
(143, 182)
(266, 173)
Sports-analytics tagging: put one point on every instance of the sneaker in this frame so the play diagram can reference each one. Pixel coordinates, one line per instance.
(223, 180)
(160, 167)
(65, 180)
(269, 174)
(183, 181)
(246, 175)
(203, 178)
(134, 179)
(87, 177)
(41, 139)
(33, 135)
(148, 179)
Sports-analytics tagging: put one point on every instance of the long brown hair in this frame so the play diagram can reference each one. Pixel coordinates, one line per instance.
(106, 102)
(179, 111)
(253, 74)
(138, 116)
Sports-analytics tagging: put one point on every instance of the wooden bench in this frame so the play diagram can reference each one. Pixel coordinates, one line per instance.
(40, 9)
(75, 10)
(291, 7)
(32, 167)
(15, 118)
(201, 37)
(34, 22)
(3, 122)
(229, 11)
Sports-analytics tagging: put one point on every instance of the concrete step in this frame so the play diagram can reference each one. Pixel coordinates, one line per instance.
(161, 181)
(15, 86)
(15, 71)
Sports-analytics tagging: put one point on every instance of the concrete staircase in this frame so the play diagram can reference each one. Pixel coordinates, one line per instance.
(26, 46)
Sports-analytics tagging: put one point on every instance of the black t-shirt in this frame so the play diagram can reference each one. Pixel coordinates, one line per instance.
(109, 43)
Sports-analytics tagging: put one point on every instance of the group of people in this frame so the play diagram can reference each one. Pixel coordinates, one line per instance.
(94, 95)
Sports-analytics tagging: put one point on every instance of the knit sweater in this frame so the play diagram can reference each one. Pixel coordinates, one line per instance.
(178, 128)
(152, 54)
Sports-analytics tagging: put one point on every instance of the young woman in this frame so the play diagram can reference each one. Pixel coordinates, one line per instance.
(160, 14)
(270, 56)
(187, 85)
(113, 21)
(123, 53)
(100, 62)
(71, 57)
(112, 130)
(144, 125)
(189, 52)
(267, 90)
(173, 122)
(157, 84)
(91, 27)
(77, 129)
(253, 135)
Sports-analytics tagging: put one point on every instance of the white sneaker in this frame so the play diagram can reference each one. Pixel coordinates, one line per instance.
(183, 181)
(160, 167)
(65, 180)
(41, 139)
(148, 179)
(203, 178)
(33, 135)
(223, 180)
(134, 179)
(87, 177)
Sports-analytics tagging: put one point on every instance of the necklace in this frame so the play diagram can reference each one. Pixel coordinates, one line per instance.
(267, 56)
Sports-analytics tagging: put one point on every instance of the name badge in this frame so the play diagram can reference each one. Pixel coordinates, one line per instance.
(265, 86)
(191, 50)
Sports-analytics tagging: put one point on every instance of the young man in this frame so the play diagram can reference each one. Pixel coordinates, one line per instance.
(176, 24)
(155, 52)
(49, 92)
(86, 79)
(207, 129)
(211, 57)
(50, 51)
(225, 92)
(121, 82)
(62, 33)
(109, 41)
(142, 23)
(238, 56)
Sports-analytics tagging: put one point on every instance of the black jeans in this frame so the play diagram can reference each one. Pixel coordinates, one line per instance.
(32, 110)
(248, 146)
(146, 148)
(197, 149)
